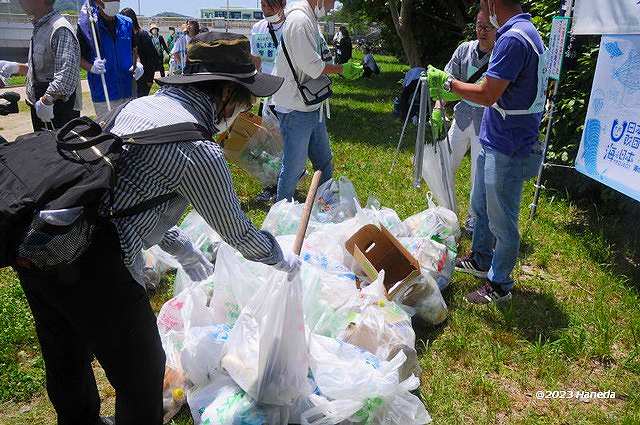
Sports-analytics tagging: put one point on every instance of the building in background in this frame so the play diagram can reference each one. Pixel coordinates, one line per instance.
(232, 13)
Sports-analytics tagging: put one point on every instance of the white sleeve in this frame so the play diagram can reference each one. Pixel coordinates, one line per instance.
(301, 41)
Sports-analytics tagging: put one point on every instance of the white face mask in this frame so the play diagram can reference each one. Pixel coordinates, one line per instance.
(225, 123)
(111, 8)
(320, 11)
(274, 19)
(493, 18)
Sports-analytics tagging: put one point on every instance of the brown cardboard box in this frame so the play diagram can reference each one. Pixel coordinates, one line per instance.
(375, 249)
(235, 140)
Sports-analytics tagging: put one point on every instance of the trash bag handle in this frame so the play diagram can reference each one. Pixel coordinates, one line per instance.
(306, 213)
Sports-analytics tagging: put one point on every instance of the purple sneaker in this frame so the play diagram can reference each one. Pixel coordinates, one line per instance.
(469, 265)
(487, 294)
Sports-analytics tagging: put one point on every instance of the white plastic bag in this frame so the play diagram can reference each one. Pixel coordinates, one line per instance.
(438, 174)
(283, 218)
(423, 295)
(223, 402)
(358, 387)
(236, 281)
(335, 201)
(202, 351)
(267, 354)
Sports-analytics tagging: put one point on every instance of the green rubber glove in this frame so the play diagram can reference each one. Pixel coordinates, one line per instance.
(352, 70)
(437, 124)
(436, 79)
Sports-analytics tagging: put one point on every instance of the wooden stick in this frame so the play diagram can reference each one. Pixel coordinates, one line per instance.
(306, 213)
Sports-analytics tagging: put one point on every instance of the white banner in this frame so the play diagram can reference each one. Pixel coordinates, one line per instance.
(606, 17)
(610, 148)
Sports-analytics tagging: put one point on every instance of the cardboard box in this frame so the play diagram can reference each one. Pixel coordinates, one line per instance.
(243, 129)
(375, 249)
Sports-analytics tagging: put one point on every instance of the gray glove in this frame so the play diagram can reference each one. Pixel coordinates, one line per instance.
(194, 263)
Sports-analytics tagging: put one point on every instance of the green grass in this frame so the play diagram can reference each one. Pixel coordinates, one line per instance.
(19, 80)
(574, 322)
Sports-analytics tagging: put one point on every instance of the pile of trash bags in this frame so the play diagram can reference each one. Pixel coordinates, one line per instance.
(251, 345)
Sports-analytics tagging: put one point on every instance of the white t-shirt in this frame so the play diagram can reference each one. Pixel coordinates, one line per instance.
(262, 44)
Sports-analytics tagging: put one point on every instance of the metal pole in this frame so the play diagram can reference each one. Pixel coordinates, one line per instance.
(93, 18)
(552, 109)
(422, 129)
(404, 127)
(226, 19)
(547, 137)
(139, 9)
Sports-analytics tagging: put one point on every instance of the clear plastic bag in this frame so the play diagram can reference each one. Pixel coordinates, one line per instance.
(267, 354)
(335, 201)
(283, 218)
(262, 154)
(358, 387)
(424, 296)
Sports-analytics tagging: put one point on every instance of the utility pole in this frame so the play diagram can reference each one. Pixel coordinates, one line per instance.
(139, 9)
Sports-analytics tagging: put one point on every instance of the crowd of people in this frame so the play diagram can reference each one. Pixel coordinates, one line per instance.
(104, 309)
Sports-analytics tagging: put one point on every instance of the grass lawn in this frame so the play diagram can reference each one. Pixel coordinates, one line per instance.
(573, 325)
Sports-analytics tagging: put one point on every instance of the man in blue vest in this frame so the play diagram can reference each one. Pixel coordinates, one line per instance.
(514, 92)
(117, 63)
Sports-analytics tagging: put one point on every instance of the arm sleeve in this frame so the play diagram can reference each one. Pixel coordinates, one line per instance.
(163, 43)
(85, 51)
(207, 184)
(509, 57)
(67, 64)
(303, 49)
(454, 67)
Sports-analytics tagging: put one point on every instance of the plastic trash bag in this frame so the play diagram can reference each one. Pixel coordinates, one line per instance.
(358, 387)
(173, 391)
(266, 354)
(438, 174)
(335, 201)
(223, 402)
(378, 214)
(202, 351)
(236, 282)
(283, 218)
(424, 296)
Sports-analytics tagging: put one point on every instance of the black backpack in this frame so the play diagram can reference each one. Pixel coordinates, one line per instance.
(76, 166)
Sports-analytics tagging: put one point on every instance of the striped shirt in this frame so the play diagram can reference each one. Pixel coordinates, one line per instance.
(195, 171)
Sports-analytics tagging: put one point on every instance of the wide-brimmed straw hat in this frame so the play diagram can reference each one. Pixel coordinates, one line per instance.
(219, 56)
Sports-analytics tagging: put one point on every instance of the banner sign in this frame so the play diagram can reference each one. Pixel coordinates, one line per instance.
(606, 17)
(610, 147)
(557, 45)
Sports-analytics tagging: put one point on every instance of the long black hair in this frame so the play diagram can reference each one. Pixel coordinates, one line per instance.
(129, 13)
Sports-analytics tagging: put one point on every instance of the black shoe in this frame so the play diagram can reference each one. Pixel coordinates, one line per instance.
(107, 420)
(470, 266)
(267, 195)
(487, 294)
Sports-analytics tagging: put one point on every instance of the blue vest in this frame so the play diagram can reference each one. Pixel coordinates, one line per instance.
(119, 56)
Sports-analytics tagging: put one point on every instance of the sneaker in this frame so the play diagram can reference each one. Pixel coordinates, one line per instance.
(267, 195)
(469, 265)
(107, 420)
(487, 294)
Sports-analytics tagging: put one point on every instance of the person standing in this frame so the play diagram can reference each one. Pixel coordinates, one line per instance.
(514, 92)
(171, 38)
(161, 47)
(470, 60)
(146, 53)
(302, 125)
(118, 63)
(179, 51)
(265, 36)
(344, 49)
(53, 68)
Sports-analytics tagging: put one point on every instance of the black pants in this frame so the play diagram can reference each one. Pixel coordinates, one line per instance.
(144, 86)
(63, 112)
(94, 307)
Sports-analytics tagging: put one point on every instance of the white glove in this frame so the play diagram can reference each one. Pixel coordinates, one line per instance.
(195, 263)
(290, 263)
(44, 112)
(99, 67)
(7, 69)
(138, 72)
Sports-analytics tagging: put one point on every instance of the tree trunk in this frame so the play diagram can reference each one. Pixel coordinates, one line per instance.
(404, 29)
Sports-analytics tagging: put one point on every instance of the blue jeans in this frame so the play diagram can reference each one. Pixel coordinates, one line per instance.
(496, 206)
(304, 136)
